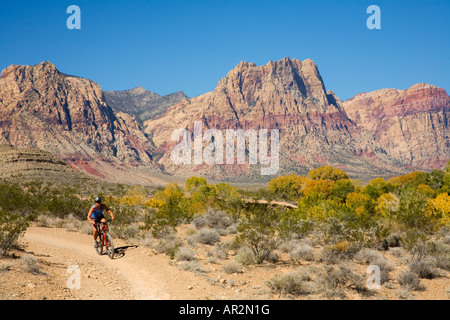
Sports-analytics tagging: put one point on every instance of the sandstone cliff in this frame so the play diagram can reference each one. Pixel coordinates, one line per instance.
(411, 126)
(288, 95)
(43, 108)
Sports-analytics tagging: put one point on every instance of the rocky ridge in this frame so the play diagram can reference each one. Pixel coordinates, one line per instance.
(67, 116)
(380, 133)
(140, 103)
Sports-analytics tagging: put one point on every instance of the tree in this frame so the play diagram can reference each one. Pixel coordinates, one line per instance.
(135, 195)
(320, 187)
(376, 187)
(439, 209)
(327, 173)
(229, 199)
(342, 188)
(167, 209)
(287, 187)
(387, 204)
(194, 183)
(258, 229)
(205, 196)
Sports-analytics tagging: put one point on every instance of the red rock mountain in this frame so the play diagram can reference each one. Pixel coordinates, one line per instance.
(380, 133)
(411, 126)
(316, 128)
(43, 108)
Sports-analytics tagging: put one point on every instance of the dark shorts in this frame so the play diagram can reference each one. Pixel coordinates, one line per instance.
(98, 219)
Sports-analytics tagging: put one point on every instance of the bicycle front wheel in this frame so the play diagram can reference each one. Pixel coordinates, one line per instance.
(99, 247)
(109, 246)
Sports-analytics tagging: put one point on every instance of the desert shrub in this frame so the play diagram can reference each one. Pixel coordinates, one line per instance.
(301, 251)
(12, 226)
(125, 231)
(342, 188)
(192, 266)
(258, 230)
(273, 257)
(12, 198)
(29, 264)
(424, 269)
(217, 219)
(373, 257)
(199, 221)
(397, 252)
(168, 246)
(245, 256)
(295, 283)
(86, 228)
(367, 255)
(232, 267)
(221, 250)
(393, 240)
(333, 254)
(410, 280)
(447, 239)
(294, 224)
(439, 252)
(48, 221)
(327, 173)
(185, 254)
(166, 210)
(287, 187)
(207, 236)
(335, 280)
(385, 268)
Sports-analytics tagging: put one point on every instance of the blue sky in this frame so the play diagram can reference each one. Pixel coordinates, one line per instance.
(166, 46)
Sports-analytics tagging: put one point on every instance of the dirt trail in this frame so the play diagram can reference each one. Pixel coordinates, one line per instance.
(135, 273)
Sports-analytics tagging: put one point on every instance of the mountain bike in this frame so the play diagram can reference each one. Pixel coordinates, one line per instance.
(105, 239)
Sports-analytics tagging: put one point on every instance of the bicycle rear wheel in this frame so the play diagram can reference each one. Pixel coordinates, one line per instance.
(109, 246)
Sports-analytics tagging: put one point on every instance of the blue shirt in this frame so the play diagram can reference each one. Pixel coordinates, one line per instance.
(97, 213)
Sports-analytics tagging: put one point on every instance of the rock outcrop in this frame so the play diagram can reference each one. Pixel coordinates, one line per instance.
(43, 108)
(411, 126)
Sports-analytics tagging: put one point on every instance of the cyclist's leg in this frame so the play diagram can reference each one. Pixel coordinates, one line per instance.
(94, 228)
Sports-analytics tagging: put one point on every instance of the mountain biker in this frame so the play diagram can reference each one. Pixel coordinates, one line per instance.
(96, 214)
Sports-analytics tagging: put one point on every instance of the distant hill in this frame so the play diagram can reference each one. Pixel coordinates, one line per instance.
(29, 163)
(140, 103)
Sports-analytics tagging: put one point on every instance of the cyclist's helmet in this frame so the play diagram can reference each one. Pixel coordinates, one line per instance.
(98, 199)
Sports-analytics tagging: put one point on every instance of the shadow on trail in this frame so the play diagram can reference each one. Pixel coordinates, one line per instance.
(120, 251)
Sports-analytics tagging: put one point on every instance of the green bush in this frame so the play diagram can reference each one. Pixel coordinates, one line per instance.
(12, 226)
(258, 229)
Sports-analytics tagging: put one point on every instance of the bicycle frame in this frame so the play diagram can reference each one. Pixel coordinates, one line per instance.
(105, 238)
(102, 229)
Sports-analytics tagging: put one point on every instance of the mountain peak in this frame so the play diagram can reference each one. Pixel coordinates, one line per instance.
(138, 90)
